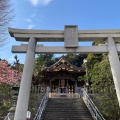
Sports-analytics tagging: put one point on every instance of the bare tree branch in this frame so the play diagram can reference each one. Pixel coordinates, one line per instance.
(6, 15)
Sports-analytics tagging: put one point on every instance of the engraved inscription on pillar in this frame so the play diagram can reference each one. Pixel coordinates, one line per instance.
(71, 36)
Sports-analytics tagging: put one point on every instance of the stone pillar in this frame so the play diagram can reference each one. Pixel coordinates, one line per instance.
(115, 65)
(24, 92)
(67, 87)
(59, 87)
(51, 86)
(75, 86)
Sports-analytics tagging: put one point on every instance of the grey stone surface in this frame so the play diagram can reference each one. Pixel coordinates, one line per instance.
(115, 65)
(71, 36)
(66, 109)
(62, 49)
(24, 92)
(58, 35)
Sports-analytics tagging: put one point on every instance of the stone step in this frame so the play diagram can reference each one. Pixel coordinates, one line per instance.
(53, 114)
(73, 110)
(67, 119)
(80, 118)
(67, 116)
(69, 112)
(66, 109)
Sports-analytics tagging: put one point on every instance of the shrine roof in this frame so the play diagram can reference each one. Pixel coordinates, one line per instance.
(63, 65)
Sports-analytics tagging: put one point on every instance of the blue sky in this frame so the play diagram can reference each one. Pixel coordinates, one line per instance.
(54, 14)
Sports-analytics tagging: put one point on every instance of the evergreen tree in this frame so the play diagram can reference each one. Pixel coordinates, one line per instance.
(102, 83)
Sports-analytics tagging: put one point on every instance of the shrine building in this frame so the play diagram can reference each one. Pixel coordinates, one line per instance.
(62, 77)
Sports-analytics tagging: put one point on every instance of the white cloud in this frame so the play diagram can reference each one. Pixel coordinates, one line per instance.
(28, 20)
(35, 15)
(11, 59)
(33, 19)
(30, 26)
(41, 2)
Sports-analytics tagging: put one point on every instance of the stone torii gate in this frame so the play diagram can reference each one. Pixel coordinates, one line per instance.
(70, 36)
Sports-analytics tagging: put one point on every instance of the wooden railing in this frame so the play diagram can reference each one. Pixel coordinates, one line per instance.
(38, 89)
(65, 95)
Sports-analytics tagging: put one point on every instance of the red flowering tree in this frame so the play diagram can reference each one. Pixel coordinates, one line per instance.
(8, 77)
(7, 74)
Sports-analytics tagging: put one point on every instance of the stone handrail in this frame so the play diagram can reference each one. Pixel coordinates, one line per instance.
(7, 117)
(41, 107)
(92, 108)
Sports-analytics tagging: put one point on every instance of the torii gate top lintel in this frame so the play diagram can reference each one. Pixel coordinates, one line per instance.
(70, 36)
(58, 35)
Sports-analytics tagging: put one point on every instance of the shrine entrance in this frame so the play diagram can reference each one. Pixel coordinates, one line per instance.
(63, 86)
(70, 36)
(62, 77)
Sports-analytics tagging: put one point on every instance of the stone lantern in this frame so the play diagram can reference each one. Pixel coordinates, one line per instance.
(15, 92)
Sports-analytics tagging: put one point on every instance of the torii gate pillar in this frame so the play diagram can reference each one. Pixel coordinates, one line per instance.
(115, 65)
(24, 92)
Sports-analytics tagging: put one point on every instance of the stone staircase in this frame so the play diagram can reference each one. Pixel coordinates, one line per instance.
(66, 109)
